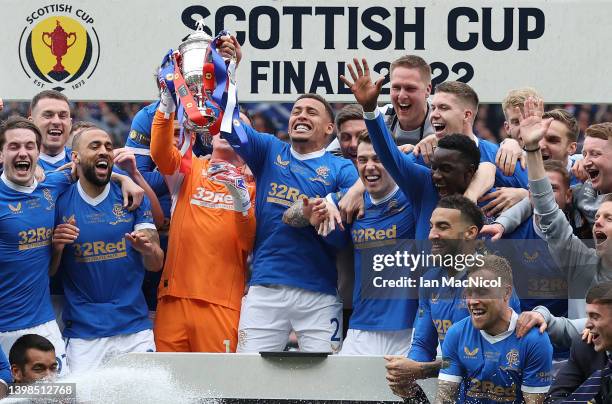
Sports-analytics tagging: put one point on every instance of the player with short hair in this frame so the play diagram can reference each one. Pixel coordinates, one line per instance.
(455, 106)
(50, 111)
(381, 324)
(294, 279)
(349, 124)
(515, 98)
(26, 225)
(483, 359)
(596, 149)
(32, 358)
(103, 251)
(407, 117)
(455, 225)
(27, 214)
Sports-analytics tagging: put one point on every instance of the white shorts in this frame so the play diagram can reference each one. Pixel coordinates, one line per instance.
(88, 354)
(50, 331)
(269, 313)
(361, 342)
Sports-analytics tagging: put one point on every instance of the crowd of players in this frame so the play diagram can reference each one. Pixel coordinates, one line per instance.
(145, 248)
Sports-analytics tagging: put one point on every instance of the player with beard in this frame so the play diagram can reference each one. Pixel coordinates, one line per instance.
(27, 216)
(482, 355)
(103, 251)
(455, 224)
(50, 111)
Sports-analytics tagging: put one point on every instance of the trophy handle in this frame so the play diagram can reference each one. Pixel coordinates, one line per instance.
(72, 34)
(44, 35)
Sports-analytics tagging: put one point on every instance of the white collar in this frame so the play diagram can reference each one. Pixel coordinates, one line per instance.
(500, 337)
(384, 198)
(93, 201)
(53, 159)
(26, 189)
(474, 138)
(307, 156)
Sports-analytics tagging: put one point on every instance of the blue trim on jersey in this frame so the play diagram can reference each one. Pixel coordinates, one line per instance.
(285, 255)
(440, 308)
(413, 179)
(101, 272)
(26, 228)
(496, 372)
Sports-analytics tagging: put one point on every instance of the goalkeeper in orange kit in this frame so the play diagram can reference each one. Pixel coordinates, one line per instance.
(212, 230)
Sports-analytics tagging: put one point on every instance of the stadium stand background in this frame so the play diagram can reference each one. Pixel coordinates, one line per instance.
(116, 117)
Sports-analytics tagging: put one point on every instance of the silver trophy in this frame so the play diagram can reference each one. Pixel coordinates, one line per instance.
(193, 57)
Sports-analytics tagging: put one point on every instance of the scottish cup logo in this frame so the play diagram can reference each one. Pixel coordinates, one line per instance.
(59, 49)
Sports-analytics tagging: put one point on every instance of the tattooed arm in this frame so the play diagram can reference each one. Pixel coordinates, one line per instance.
(534, 398)
(447, 392)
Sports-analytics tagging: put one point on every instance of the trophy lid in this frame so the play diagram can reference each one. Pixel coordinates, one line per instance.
(198, 37)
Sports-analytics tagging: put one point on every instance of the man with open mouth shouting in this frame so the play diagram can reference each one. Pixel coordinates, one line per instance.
(582, 265)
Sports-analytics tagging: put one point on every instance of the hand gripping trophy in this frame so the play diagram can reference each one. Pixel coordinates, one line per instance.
(200, 79)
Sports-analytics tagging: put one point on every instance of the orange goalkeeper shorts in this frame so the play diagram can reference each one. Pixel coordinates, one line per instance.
(191, 325)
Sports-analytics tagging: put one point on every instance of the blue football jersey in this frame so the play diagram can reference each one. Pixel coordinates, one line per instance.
(52, 163)
(283, 254)
(5, 369)
(440, 306)
(496, 369)
(26, 226)
(538, 280)
(488, 152)
(102, 274)
(414, 179)
(139, 138)
(384, 223)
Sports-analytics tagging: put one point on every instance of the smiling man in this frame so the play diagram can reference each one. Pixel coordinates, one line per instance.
(50, 111)
(582, 265)
(407, 117)
(381, 323)
(26, 224)
(102, 251)
(597, 149)
(454, 163)
(483, 355)
(294, 281)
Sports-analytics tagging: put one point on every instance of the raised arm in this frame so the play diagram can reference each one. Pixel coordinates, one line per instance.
(126, 160)
(410, 177)
(567, 250)
(164, 154)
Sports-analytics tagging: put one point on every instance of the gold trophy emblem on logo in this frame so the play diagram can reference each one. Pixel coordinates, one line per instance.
(58, 43)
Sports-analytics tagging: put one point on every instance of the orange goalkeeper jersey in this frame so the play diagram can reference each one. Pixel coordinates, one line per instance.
(209, 241)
